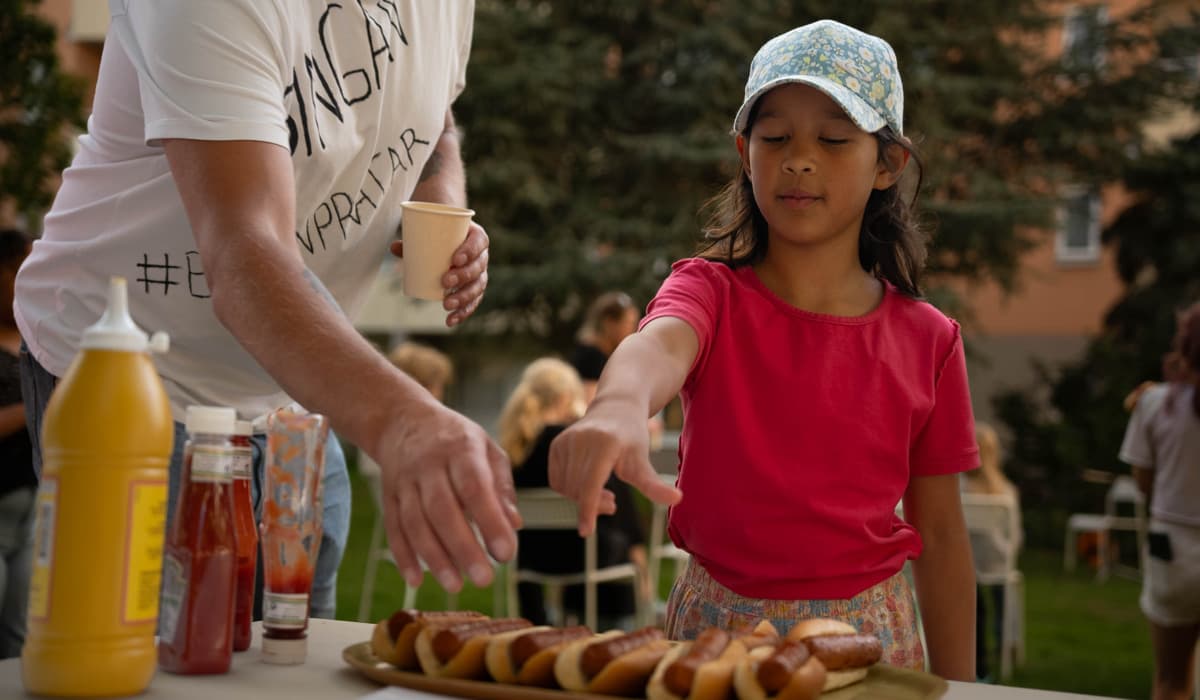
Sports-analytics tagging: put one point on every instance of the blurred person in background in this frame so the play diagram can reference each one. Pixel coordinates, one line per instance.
(549, 397)
(1162, 444)
(989, 550)
(18, 482)
(610, 318)
(430, 368)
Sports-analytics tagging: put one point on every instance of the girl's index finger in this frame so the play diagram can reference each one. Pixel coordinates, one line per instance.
(591, 489)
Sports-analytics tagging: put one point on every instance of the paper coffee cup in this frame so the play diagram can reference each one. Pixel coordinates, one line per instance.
(431, 234)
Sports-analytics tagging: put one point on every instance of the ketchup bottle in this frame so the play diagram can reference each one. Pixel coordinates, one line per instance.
(247, 534)
(200, 557)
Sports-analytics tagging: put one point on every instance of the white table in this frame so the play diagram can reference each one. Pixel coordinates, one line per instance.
(326, 677)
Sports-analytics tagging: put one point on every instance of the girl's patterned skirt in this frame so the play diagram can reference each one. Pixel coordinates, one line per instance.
(886, 610)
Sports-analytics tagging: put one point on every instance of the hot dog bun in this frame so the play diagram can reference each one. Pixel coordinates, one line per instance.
(394, 638)
(713, 680)
(819, 625)
(526, 657)
(469, 641)
(702, 669)
(806, 682)
(846, 654)
(615, 663)
(566, 667)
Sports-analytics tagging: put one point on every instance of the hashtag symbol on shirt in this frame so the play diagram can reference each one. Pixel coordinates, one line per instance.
(156, 274)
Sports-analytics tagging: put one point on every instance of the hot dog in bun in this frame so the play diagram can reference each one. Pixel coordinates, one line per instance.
(703, 669)
(613, 663)
(527, 656)
(845, 654)
(457, 651)
(394, 639)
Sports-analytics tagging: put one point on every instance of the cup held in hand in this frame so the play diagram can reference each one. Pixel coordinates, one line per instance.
(431, 234)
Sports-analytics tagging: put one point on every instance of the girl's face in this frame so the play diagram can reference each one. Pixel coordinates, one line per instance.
(812, 169)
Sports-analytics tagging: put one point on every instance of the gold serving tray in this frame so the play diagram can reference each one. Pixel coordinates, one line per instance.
(884, 682)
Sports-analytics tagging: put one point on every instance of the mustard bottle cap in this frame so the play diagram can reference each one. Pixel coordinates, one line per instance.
(116, 330)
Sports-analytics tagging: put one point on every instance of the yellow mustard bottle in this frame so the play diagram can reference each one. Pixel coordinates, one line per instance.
(101, 516)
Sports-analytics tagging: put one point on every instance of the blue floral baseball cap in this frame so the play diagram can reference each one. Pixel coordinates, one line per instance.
(856, 70)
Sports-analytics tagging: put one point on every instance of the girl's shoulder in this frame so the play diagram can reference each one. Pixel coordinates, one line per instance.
(922, 318)
(702, 267)
(715, 274)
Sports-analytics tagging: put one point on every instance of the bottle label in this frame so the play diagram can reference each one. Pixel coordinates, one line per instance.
(143, 557)
(243, 461)
(174, 594)
(212, 463)
(285, 610)
(43, 548)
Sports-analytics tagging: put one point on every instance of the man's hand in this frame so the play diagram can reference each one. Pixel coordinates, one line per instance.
(440, 474)
(467, 278)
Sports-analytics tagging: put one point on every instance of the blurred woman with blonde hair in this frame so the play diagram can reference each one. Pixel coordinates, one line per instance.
(990, 549)
(548, 398)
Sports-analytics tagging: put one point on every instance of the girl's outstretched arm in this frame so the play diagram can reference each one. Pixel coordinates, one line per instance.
(647, 369)
(944, 575)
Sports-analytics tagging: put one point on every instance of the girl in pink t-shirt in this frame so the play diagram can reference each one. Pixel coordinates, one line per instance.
(818, 390)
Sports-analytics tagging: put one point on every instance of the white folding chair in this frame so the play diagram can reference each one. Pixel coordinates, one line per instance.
(993, 523)
(1122, 495)
(378, 549)
(546, 509)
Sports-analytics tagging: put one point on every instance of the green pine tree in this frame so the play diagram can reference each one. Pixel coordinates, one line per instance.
(39, 107)
(595, 132)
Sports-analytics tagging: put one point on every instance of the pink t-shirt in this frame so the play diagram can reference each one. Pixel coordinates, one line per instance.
(801, 433)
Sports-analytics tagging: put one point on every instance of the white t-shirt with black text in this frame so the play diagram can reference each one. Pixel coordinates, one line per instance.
(356, 91)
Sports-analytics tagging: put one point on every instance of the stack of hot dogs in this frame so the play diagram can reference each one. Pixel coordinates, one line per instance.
(757, 664)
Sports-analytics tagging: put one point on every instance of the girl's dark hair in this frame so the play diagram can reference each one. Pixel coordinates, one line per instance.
(891, 244)
(1183, 366)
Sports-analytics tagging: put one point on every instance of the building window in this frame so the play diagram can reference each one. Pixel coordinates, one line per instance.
(1083, 36)
(1078, 236)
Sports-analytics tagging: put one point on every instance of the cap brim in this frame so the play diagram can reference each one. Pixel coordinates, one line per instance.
(854, 106)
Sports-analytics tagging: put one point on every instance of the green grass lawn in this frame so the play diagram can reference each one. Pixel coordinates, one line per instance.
(1081, 636)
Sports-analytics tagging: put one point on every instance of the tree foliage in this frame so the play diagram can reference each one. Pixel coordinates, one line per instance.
(38, 106)
(1081, 423)
(595, 132)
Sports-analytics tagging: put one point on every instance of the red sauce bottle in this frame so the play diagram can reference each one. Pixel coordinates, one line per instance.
(291, 530)
(200, 555)
(247, 535)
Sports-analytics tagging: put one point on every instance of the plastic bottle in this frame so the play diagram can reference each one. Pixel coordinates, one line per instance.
(247, 534)
(291, 531)
(200, 558)
(101, 512)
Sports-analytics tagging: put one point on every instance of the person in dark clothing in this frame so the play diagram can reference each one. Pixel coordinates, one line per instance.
(548, 398)
(18, 481)
(609, 320)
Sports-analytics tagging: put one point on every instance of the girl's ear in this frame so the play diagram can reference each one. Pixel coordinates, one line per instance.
(891, 165)
(741, 146)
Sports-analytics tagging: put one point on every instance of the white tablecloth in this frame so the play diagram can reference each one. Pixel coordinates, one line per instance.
(326, 677)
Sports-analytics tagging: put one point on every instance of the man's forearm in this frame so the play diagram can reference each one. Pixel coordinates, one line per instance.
(443, 179)
(286, 319)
